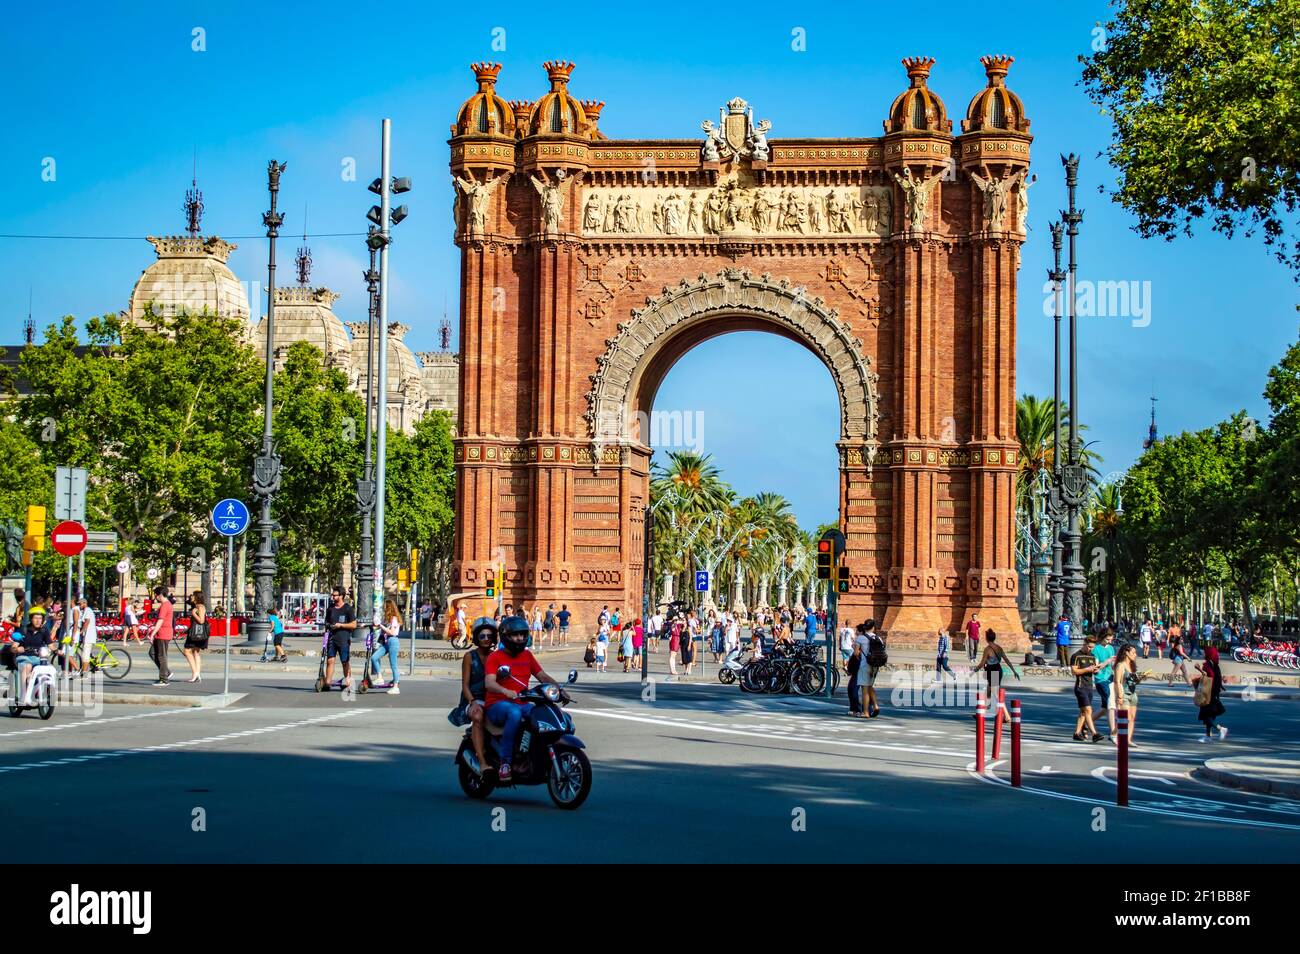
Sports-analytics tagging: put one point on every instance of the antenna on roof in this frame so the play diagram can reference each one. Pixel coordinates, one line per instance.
(29, 326)
(193, 200)
(303, 260)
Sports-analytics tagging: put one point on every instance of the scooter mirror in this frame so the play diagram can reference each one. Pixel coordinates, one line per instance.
(573, 676)
(503, 673)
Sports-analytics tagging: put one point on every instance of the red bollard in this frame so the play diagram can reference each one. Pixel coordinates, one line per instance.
(1015, 743)
(997, 724)
(979, 732)
(1121, 777)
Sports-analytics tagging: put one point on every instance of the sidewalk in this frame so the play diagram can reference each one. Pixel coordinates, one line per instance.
(1269, 775)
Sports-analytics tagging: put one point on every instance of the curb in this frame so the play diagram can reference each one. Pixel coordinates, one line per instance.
(216, 701)
(1248, 783)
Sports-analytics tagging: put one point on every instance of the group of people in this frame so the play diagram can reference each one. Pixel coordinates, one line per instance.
(546, 626)
(1114, 675)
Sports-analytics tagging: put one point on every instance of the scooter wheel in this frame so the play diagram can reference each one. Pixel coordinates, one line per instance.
(726, 677)
(474, 785)
(320, 684)
(364, 687)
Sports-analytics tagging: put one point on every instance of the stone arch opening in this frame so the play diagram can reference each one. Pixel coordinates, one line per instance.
(650, 343)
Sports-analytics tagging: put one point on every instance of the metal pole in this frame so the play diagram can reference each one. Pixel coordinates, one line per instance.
(1055, 596)
(366, 485)
(1015, 743)
(230, 608)
(67, 605)
(832, 625)
(410, 616)
(381, 390)
(646, 570)
(266, 468)
(1075, 583)
(81, 574)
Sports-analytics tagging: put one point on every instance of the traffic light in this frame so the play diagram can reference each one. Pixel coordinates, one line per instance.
(824, 558)
(403, 580)
(491, 584)
(34, 537)
(842, 578)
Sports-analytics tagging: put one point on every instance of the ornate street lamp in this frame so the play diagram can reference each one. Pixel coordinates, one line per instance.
(1055, 504)
(266, 466)
(1074, 478)
(366, 482)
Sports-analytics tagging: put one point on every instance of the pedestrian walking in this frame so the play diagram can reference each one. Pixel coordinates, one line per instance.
(160, 635)
(1178, 656)
(1103, 680)
(277, 634)
(87, 633)
(19, 616)
(602, 646)
(941, 658)
(852, 667)
(340, 623)
(688, 643)
(973, 636)
(131, 623)
(1084, 666)
(563, 617)
(388, 642)
(991, 661)
(870, 648)
(626, 648)
(638, 641)
(846, 645)
(1127, 680)
(1209, 687)
(1145, 636)
(674, 646)
(196, 637)
(548, 626)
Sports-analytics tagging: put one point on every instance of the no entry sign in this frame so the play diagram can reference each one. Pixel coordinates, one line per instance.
(68, 538)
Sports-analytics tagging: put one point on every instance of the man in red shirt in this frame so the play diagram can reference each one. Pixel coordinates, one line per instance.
(503, 708)
(161, 634)
(973, 635)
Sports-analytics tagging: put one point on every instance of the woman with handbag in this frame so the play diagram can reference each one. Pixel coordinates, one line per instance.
(196, 639)
(388, 642)
(1208, 689)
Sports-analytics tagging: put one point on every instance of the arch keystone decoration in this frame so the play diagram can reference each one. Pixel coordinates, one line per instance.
(732, 292)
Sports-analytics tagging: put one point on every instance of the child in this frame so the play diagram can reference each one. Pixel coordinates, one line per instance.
(602, 646)
(589, 656)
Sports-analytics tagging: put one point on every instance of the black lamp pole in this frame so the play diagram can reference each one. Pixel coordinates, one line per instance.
(1055, 505)
(266, 467)
(1074, 477)
(366, 484)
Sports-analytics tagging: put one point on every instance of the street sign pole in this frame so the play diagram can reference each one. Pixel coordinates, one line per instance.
(230, 607)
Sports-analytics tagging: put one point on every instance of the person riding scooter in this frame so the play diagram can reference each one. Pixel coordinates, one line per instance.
(503, 709)
(29, 640)
(473, 688)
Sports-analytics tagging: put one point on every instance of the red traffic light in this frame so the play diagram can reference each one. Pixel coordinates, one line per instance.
(823, 546)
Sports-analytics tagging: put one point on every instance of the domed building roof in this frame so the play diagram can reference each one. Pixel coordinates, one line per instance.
(918, 108)
(485, 113)
(522, 108)
(995, 106)
(558, 112)
(306, 314)
(190, 275)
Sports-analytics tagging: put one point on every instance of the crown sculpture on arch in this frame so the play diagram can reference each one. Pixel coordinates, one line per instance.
(736, 135)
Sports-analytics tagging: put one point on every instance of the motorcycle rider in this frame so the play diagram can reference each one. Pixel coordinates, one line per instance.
(28, 640)
(473, 688)
(503, 708)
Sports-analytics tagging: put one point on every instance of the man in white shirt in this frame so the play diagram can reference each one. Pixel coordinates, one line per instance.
(733, 632)
(1145, 637)
(88, 633)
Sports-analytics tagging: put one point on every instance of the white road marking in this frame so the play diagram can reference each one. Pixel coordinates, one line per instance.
(94, 721)
(704, 727)
(1185, 815)
(186, 743)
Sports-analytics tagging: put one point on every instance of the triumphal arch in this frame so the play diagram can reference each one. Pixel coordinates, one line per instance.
(589, 265)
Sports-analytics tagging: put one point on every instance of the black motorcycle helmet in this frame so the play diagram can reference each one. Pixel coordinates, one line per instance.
(514, 634)
(485, 628)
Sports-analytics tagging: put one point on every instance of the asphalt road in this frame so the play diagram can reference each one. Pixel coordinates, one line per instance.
(698, 772)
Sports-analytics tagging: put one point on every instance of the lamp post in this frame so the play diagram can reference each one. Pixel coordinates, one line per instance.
(1055, 505)
(266, 466)
(366, 483)
(384, 217)
(1073, 475)
(647, 573)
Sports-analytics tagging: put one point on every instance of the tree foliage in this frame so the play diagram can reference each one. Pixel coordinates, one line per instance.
(1205, 98)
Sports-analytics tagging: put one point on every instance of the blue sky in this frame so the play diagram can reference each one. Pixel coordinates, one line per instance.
(119, 99)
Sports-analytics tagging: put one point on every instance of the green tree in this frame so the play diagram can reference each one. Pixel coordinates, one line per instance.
(420, 499)
(1205, 97)
(319, 429)
(162, 417)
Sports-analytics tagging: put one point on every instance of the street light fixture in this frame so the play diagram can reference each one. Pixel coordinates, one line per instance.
(384, 186)
(266, 466)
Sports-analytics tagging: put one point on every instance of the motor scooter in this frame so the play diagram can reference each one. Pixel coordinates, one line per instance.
(41, 691)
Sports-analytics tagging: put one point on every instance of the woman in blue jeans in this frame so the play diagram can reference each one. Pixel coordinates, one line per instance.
(389, 644)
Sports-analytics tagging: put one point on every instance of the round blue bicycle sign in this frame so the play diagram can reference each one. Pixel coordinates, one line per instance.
(230, 517)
